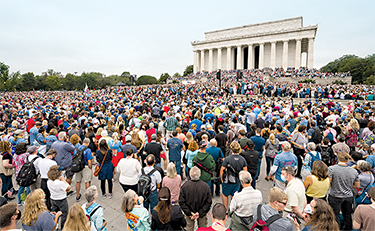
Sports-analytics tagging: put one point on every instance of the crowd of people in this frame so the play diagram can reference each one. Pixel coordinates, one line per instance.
(176, 147)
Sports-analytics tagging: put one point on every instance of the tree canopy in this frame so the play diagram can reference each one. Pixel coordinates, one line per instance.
(188, 70)
(146, 80)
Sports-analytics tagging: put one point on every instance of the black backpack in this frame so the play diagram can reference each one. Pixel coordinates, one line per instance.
(78, 161)
(144, 183)
(318, 135)
(326, 156)
(27, 175)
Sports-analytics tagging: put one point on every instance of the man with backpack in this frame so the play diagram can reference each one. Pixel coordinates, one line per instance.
(82, 156)
(148, 183)
(33, 151)
(268, 215)
(340, 146)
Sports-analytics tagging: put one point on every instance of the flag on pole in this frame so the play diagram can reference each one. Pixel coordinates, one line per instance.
(87, 90)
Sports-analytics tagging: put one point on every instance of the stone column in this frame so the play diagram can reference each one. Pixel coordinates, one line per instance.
(273, 54)
(210, 59)
(285, 54)
(298, 53)
(202, 60)
(219, 58)
(196, 68)
(250, 60)
(261, 55)
(239, 57)
(310, 54)
(229, 58)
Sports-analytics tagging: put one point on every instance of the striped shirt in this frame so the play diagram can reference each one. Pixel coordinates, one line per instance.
(343, 178)
(244, 202)
(171, 123)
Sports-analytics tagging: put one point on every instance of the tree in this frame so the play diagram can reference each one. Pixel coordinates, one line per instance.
(54, 82)
(370, 80)
(70, 81)
(163, 78)
(8, 81)
(188, 70)
(176, 74)
(28, 81)
(146, 80)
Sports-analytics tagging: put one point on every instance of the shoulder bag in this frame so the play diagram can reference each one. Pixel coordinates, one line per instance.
(97, 168)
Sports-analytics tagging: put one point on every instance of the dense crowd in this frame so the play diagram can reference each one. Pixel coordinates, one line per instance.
(175, 147)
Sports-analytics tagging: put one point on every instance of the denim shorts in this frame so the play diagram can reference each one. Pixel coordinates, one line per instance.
(230, 189)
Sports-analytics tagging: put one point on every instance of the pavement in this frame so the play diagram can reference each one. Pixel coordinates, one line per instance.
(116, 219)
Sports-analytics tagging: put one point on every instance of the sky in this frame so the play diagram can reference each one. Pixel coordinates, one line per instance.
(151, 37)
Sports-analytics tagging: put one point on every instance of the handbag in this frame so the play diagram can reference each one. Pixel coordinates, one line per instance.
(97, 168)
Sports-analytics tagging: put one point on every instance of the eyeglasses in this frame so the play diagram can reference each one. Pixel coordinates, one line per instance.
(284, 203)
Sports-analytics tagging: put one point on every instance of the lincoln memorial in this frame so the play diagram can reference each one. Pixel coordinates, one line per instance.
(272, 44)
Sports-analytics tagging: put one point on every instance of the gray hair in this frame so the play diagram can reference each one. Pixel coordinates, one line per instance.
(128, 202)
(151, 125)
(245, 177)
(311, 146)
(285, 145)
(213, 143)
(62, 135)
(195, 173)
(86, 141)
(90, 194)
(363, 166)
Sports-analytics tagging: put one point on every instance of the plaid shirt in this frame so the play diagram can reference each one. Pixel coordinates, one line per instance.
(171, 123)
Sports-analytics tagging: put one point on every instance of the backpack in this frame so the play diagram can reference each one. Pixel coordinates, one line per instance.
(27, 175)
(314, 157)
(318, 135)
(364, 198)
(281, 137)
(78, 161)
(326, 156)
(144, 184)
(353, 138)
(369, 140)
(263, 225)
(330, 137)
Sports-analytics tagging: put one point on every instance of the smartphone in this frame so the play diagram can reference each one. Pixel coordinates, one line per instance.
(292, 217)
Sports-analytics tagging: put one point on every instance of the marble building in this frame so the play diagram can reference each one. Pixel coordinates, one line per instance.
(279, 43)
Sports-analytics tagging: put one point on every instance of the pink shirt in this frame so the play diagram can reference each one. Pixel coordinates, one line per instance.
(174, 185)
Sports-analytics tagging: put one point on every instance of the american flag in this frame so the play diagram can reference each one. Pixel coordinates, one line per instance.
(10, 192)
(87, 90)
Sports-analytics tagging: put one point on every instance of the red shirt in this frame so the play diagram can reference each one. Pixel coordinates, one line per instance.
(30, 124)
(149, 132)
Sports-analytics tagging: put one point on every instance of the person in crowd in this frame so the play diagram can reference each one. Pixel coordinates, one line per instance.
(175, 146)
(33, 154)
(19, 159)
(6, 167)
(165, 215)
(251, 156)
(259, 143)
(326, 152)
(64, 155)
(36, 216)
(156, 178)
(172, 181)
(58, 188)
(322, 217)
(10, 215)
(115, 145)
(191, 151)
(286, 158)
(195, 200)
(93, 210)
(75, 140)
(127, 145)
(218, 157)
(342, 179)
(243, 203)
(341, 146)
(271, 148)
(221, 139)
(34, 131)
(310, 157)
(51, 138)
(299, 141)
(317, 184)
(363, 218)
(205, 162)
(242, 139)
(104, 159)
(219, 218)
(170, 125)
(44, 166)
(129, 169)
(77, 220)
(137, 217)
(155, 149)
(86, 173)
(278, 200)
(295, 191)
(365, 177)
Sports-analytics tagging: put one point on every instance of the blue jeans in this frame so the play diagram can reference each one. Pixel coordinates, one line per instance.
(269, 161)
(20, 191)
(217, 190)
(258, 170)
(6, 183)
(178, 166)
(152, 200)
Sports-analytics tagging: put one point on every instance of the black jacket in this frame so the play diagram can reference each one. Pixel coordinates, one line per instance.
(195, 196)
(177, 220)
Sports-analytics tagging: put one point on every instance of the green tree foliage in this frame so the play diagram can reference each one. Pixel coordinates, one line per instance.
(54, 82)
(9, 81)
(176, 74)
(188, 70)
(370, 80)
(146, 80)
(163, 78)
(28, 82)
(360, 68)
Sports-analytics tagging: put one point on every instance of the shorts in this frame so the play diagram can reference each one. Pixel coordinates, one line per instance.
(86, 175)
(68, 172)
(230, 189)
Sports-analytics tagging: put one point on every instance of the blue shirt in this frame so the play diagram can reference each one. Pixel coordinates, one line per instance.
(175, 146)
(86, 154)
(293, 124)
(215, 152)
(33, 134)
(282, 160)
(371, 160)
(198, 123)
(259, 143)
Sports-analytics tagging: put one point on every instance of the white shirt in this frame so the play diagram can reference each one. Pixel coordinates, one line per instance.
(129, 170)
(44, 165)
(155, 177)
(36, 162)
(57, 189)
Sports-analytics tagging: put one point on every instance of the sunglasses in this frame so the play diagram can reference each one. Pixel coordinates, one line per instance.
(284, 203)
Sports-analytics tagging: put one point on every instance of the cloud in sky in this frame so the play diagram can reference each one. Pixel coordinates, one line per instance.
(153, 37)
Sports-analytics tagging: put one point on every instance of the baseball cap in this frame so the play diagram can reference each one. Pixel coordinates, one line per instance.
(128, 138)
(203, 143)
(32, 149)
(154, 136)
(250, 142)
